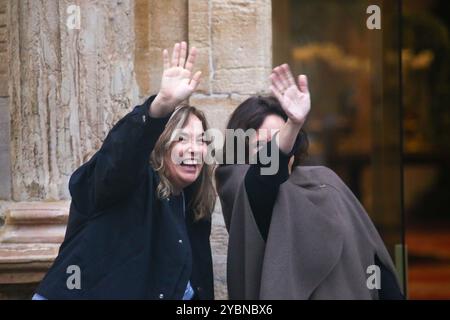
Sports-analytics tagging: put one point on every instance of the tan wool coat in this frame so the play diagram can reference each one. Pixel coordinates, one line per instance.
(320, 242)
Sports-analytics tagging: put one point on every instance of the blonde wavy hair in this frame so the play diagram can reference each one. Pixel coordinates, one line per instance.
(204, 195)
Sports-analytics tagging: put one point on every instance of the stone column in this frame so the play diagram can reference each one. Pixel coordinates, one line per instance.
(5, 160)
(67, 87)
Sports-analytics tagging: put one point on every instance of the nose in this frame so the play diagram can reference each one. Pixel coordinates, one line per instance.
(195, 148)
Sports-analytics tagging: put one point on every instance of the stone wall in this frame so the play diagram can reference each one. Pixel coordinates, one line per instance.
(233, 39)
(235, 53)
(62, 89)
(158, 25)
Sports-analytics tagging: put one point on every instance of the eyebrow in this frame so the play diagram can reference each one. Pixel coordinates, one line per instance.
(184, 133)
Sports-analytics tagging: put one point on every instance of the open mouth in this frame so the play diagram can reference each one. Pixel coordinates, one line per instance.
(190, 163)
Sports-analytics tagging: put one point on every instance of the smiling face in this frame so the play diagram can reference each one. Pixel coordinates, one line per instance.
(185, 157)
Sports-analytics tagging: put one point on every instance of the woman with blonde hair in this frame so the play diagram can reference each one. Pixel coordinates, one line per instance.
(139, 222)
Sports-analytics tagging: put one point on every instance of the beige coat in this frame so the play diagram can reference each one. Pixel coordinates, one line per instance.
(320, 242)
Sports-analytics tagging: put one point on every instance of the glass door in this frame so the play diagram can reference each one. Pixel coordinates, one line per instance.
(350, 52)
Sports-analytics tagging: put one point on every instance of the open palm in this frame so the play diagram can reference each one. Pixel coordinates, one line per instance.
(294, 100)
(177, 82)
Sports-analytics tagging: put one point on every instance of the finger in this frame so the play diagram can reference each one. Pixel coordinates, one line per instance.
(277, 83)
(276, 93)
(288, 74)
(182, 59)
(191, 59)
(166, 59)
(284, 75)
(195, 80)
(175, 55)
(278, 71)
(303, 83)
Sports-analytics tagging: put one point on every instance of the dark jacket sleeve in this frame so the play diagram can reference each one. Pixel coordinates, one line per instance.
(262, 190)
(120, 164)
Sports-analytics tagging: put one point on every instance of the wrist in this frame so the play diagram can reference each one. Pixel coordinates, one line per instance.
(295, 125)
(161, 107)
(287, 136)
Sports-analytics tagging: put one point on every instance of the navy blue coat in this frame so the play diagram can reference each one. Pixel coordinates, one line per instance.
(128, 243)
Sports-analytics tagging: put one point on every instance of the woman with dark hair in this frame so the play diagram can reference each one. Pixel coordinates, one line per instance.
(299, 233)
(140, 222)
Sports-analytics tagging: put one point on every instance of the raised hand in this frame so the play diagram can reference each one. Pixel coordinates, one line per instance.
(177, 82)
(295, 100)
